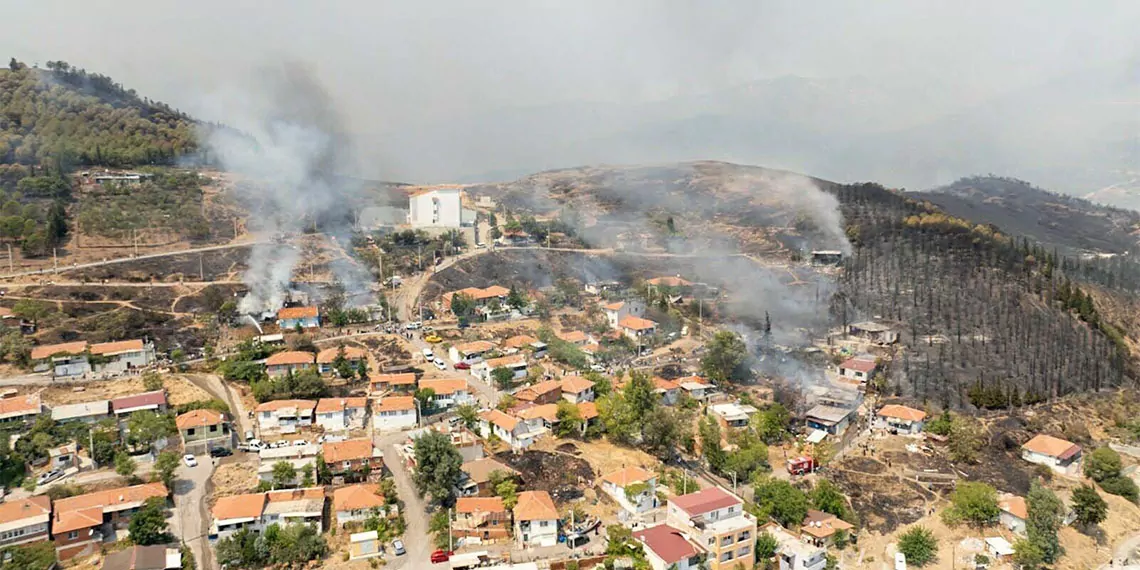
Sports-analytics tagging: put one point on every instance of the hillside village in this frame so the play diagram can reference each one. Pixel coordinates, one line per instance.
(664, 367)
(588, 423)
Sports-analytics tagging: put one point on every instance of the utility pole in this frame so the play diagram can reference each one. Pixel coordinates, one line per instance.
(450, 545)
(91, 447)
(55, 259)
(11, 266)
(201, 267)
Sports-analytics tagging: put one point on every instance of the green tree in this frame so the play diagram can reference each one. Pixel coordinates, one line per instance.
(31, 310)
(569, 420)
(124, 465)
(324, 474)
(965, 439)
(283, 474)
(307, 476)
(766, 546)
(33, 556)
(425, 397)
(504, 378)
(826, 496)
(1103, 463)
(781, 501)
(438, 467)
(1027, 554)
(709, 433)
(148, 526)
(918, 545)
(974, 503)
(1089, 506)
(462, 305)
(468, 415)
(164, 467)
(1122, 486)
(147, 427)
(725, 358)
(1043, 522)
(508, 490)
(664, 432)
(152, 381)
(515, 299)
(439, 526)
(771, 423)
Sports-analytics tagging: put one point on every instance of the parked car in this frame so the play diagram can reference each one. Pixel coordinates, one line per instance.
(428, 354)
(49, 476)
(433, 338)
(440, 364)
(462, 365)
(249, 435)
(597, 368)
(220, 452)
(398, 547)
(413, 325)
(256, 444)
(189, 460)
(300, 443)
(440, 556)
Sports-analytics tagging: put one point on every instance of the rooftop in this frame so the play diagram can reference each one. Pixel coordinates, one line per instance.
(357, 497)
(1052, 446)
(668, 543)
(20, 510)
(480, 470)
(289, 357)
(74, 513)
(280, 405)
(239, 507)
(81, 410)
(298, 313)
(628, 476)
(535, 506)
(139, 401)
(17, 406)
(519, 341)
(475, 347)
(444, 386)
(47, 351)
(822, 525)
(118, 347)
(199, 418)
(395, 404)
(393, 379)
(636, 323)
(500, 419)
(327, 405)
(902, 412)
(479, 504)
(1015, 506)
(348, 450)
(704, 501)
(858, 364)
(328, 355)
(575, 384)
(573, 336)
(828, 414)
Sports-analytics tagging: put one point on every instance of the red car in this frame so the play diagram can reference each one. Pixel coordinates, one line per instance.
(461, 365)
(440, 556)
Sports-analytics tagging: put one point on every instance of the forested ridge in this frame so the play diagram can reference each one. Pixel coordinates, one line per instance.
(988, 319)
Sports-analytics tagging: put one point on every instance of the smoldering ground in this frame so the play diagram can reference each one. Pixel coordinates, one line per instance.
(288, 144)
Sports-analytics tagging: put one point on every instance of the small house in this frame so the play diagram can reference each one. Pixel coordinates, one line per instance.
(352, 455)
(24, 520)
(831, 419)
(546, 392)
(404, 382)
(1061, 456)
(341, 414)
(394, 413)
(86, 412)
(858, 370)
(66, 359)
(285, 416)
(633, 488)
(1014, 513)
(668, 548)
(516, 363)
(576, 338)
(536, 520)
(288, 362)
(326, 359)
(576, 389)
(290, 318)
(121, 356)
(154, 557)
(637, 328)
(900, 418)
(16, 410)
(793, 553)
(478, 475)
(149, 401)
(619, 310)
(63, 456)
(696, 387)
(873, 332)
(363, 545)
(78, 522)
(732, 414)
(482, 518)
(512, 430)
(448, 392)
(356, 503)
(517, 343)
(470, 352)
(820, 528)
(668, 390)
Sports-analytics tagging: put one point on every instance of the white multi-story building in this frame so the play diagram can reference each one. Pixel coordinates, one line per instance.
(794, 553)
(536, 519)
(437, 207)
(341, 414)
(717, 521)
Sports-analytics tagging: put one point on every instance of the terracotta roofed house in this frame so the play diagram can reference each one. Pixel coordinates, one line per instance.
(24, 520)
(669, 281)
(478, 475)
(574, 337)
(636, 327)
(820, 527)
(900, 418)
(203, 430)
(519, 342)
(354, 454)
(285, 415)
(546, 392)
(448, 391)
(536, 519)
(282, 363)
(154, 557)
(1014, 513)
(1061, 456)
(576, 389)
(20, 409)
(150, 401)
(668, 547)
(514, 431)
(717, 520)
(341, 414)
(358, 502)
(233, 513)
(859, 369)
(77, 521)
(381, 383)
(634, 488)
(65, 359)
(291, 317)
(484, 518)
(470, 352)
(327, 357)
(514, 362)
(394, 413)
(120, 356)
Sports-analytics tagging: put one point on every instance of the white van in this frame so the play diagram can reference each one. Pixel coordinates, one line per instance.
(429, 355)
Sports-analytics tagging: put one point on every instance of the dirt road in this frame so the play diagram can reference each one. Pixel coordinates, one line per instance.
(190, 522)
(67, 268)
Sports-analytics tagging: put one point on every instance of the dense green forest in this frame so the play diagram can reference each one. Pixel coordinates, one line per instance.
(57, 120)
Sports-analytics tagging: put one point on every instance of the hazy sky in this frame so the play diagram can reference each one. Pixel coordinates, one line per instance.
(396, 67)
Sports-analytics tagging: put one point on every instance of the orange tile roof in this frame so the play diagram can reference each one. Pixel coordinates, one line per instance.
(475, 346)
(468, 505)
(326, 405)
(575, 384)
(19, 509)
(902, 413)
(19, 406)
(616, 306)
(859, 364)
(198, 418)
(328, 355)
(76, 520)
(297, 313)
(628, 476)
(47, 351)
(535, 506)
(239, 507)
(337, 451)
(636, 323)
(1015, 506)
(1051, 446)
(588, 410)
(548, 412)
(444, 386)
(358, 497)
(592, 348)
(393, 379)
(76, 510)
(573, 336)
(395, 404)
(512, 360)
(295, 495)
(500, 419)
(119, 347)
(289, 357)
(822, 525)
(519, 341)
(663, 384)
(668, 281)
(276, 405)
(536, 391)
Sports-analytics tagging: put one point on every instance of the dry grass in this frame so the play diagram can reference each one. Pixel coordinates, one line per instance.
(235, 478)
(603, 457)
(178, 390)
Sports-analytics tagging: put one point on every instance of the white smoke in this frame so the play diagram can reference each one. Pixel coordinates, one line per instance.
(287, 151)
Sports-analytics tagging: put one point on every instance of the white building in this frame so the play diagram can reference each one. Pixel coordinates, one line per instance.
(394, 413)
(122, 356)
(285, 416)
(258, 511)
(341, 414)
(516, 363)
(448, 392)
(634, 488)
(619, 310)
(1061, 456)
(576, 389)
(515, 432)
(438, 207)
(356, 503)
(717, 521)
(732, 414)
(1014, 513)
(900, 418)
(793, 553)
(536, 519)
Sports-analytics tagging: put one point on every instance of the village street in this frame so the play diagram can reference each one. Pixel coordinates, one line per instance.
(417, 540)
(190, 520)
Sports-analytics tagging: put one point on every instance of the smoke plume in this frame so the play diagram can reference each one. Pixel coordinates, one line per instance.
(290, 145)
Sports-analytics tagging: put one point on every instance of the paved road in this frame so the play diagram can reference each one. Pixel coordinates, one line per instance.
(190, 522)
(66, 268)
(417, 541)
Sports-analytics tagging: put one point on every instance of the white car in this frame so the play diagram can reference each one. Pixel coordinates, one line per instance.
(597, 368)
(440, 364)
(189, 460)
(413, 326)
(300, 443)
(256, 444)
(428, 355)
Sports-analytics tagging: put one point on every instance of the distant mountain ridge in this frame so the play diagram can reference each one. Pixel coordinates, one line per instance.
(1055, 220)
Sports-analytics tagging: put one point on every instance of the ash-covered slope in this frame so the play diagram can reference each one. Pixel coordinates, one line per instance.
(1054, 220)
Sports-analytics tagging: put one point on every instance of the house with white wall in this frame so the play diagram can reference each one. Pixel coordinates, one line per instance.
(618, 310)
(514, 431)
(341, 414)
(394, 413)
(448, 391)
(717, 520)
(435, 207)
(633, 488)
(668, 548)
(326, 358)
(901, 418)
(121, 356)
(290, 361)
(536, 519)
(285, 415)
(289, 318)
(1061, 456)
(516, 363)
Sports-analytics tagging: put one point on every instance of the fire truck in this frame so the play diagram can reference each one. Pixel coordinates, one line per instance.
(801, 465)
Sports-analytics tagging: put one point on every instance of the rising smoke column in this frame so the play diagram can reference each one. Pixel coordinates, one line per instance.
(288, 148)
